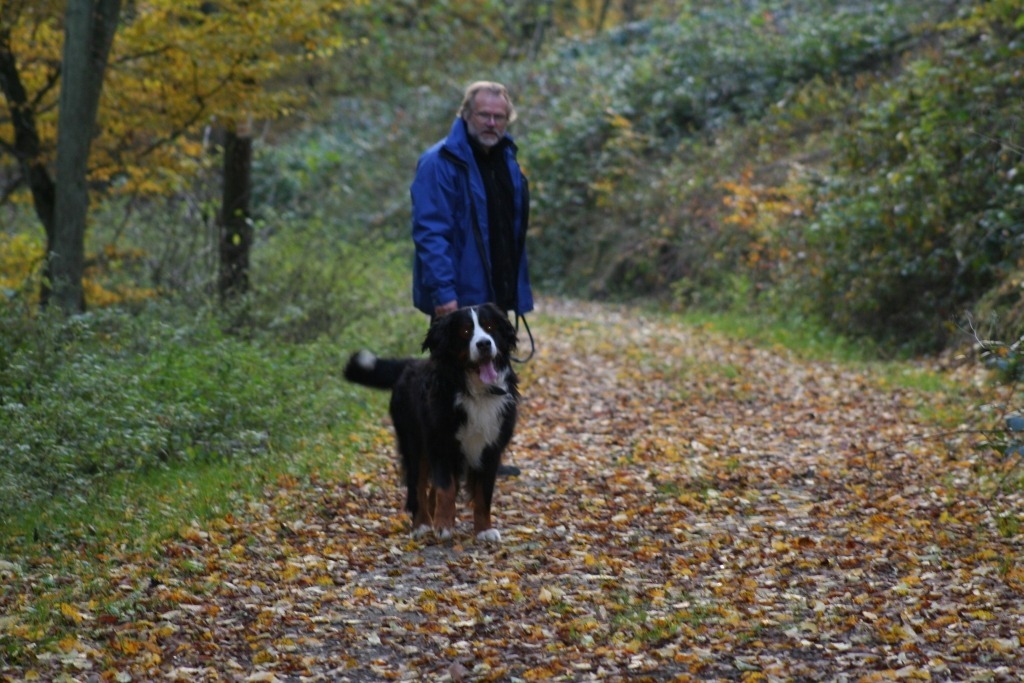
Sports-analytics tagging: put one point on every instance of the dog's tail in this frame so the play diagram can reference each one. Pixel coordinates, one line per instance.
(365, 368)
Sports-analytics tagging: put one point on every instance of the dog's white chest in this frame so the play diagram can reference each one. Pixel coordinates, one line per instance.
(484, 417)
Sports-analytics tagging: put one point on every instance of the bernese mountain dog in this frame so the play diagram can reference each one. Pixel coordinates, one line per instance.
(453, 414)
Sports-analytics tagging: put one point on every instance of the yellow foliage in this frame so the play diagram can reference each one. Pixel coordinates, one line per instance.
(541, 673)
(619, 121)
(585, 17)
(21, 263)
(756, 207)
(72, 613)
(21, 257)
(98, 296)
(175, 68)
(760, 211)
(68, 644)
(128, 646)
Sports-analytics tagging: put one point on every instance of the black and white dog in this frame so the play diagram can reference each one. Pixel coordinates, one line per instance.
(453, 413)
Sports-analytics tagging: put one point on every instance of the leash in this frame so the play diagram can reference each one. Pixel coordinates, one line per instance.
(529, 333)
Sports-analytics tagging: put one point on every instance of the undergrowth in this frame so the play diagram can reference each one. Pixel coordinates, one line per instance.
(852, 162)
(175, 387)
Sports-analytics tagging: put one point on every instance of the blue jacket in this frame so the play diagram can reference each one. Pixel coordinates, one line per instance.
(449, 226)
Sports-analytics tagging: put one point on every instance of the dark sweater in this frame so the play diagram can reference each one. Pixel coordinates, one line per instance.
(500, 220)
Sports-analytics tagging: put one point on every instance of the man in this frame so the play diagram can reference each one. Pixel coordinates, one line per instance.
(470, 208)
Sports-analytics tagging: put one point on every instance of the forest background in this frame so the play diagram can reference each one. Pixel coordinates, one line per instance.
(845, 171)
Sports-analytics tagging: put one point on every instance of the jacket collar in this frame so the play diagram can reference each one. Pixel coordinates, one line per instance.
(458, 144)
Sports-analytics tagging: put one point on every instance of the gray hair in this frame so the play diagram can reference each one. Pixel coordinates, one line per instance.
(466, 108)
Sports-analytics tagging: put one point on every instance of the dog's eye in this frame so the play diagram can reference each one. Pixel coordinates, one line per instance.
(466, 331)
(489, 326)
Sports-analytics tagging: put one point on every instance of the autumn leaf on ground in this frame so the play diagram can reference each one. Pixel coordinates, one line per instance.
(690, 508)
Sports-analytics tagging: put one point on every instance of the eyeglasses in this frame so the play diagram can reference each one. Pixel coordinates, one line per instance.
(499, 119)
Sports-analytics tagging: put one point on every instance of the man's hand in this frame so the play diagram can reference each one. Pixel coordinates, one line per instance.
(445, 309)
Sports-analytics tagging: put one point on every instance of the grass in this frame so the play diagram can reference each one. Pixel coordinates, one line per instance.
(805, 338)
(128, 425)
(949, 404)
(79, 541)
(135, 510)
(176, 383)
(163, 434)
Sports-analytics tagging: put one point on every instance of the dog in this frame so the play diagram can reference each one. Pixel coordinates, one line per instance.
(453, 413)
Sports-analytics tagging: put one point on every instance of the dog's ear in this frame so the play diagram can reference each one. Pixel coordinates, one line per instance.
(508, 330)
(438, 334)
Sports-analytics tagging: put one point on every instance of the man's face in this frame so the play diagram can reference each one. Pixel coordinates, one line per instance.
(486, 123)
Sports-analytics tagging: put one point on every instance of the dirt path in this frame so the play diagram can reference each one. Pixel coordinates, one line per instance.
(689, 509)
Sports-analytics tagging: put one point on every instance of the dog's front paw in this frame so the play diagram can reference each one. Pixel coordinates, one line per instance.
(444, 533)
(489, 536)
(421, 531)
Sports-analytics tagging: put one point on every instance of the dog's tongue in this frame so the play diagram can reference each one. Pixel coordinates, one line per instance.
(488, 375)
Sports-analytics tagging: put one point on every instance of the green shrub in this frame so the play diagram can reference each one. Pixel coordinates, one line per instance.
(899, 130)
(616, 111)
(181, 381)
(924, 211)
(109, 393)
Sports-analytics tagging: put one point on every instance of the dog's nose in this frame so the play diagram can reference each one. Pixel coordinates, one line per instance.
(484, 345)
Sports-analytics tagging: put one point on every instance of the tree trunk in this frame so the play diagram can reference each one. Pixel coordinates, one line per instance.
(235, 227)
(89, 33)
(27, 148)
(629, 11)
(602, 16)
